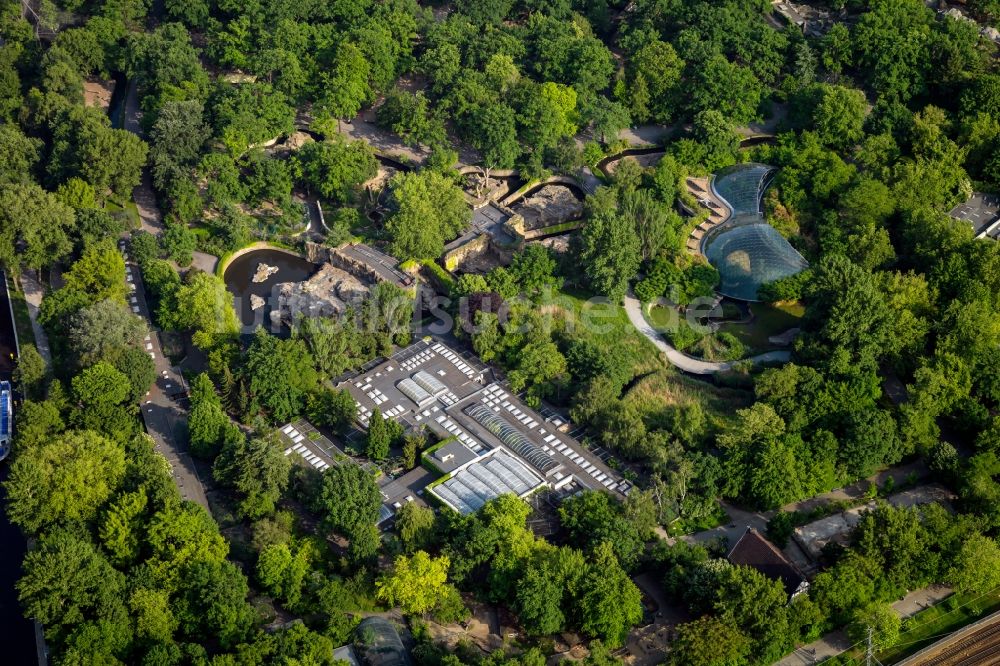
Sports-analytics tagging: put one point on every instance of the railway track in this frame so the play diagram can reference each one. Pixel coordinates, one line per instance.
(982, 648)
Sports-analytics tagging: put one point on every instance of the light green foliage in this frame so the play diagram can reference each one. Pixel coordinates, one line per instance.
(100, 385)
(380, 434)
(611, 604)
(349, 499)
(37, 422)
(548, 589)
(493, 131)
(29, 374)
(533, 269)
(102, 330)
(415, 525)
(428, 209)
(416, 584)
(154, 620)
(38, 219)
(279, 375)
(249, 114)
(709, 641)
(839, 115)
(212, 604)
(203, 305)
(66, 579)
(18, 154)
(539, 362)
(180, 535)
(727, 87)
(655, 73)
(891, 42)
(549, 113)
(121, 526)
(593, 518)
(78, 194)
(609, 253)
(179, 242)
(882, 619)
(344, 86)
(282, 569)
(63, 479)
(977, 566)
(208, 425)
(409, 115)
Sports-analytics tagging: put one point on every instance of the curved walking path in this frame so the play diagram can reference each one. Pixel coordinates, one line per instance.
(633, 308)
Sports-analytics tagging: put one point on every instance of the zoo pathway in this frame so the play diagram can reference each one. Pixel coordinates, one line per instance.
(633, 308)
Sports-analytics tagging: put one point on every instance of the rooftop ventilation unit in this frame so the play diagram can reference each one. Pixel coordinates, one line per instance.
(429, 382)
(414, 392)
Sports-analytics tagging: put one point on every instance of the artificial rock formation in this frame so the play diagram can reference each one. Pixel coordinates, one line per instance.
(263, 272)
(553, 204)
(326, 294)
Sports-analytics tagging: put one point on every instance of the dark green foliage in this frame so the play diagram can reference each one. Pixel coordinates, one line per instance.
(336, 168)
(279, 375)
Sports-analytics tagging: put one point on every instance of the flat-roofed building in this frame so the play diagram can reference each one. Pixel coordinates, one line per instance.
(449, 456)
(485, 478)
(302, 439)
(982, 212)
(429, 384)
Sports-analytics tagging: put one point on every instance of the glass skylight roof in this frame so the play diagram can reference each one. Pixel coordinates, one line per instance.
(750, 255)
(746, 250)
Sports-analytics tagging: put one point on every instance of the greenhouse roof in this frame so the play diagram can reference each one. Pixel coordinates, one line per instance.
(750, 255)
(746, 250)
(742, 186)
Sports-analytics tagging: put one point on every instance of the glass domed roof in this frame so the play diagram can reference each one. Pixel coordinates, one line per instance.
(750, 255)
(745, 249)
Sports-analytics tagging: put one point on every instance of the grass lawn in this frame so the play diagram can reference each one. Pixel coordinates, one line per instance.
(128, 210)
(927, 626)
(22, 321)
(604, 323)
(682, 526)
(657, 394)
(768, 320)
(661, 317)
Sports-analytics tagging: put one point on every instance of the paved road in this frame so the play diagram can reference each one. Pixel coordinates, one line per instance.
(163, 408)
(150, 217)
(836, 642)
(633, 308)
(163, 411)
(33, 294)
(738, 522)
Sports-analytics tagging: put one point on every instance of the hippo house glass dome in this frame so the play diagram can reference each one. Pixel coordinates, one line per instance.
(746, 250)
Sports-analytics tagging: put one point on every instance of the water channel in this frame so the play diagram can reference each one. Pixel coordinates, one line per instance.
(239, 281)
(18, 632)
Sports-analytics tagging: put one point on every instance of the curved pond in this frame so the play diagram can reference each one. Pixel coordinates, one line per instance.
(239, 281)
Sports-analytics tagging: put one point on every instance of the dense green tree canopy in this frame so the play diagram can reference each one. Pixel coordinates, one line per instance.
(427, 210)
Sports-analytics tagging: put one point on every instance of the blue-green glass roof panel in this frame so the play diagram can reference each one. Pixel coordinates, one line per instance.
(750, 255)
(742, 186)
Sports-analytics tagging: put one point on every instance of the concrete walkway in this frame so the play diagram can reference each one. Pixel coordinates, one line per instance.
(837, 642)
(633, 308)
(34, 292)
